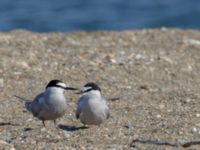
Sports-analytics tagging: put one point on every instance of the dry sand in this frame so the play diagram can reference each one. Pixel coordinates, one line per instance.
(151, 79)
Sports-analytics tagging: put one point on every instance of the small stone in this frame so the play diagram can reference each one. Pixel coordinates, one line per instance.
(33, 142)
(188, 100)
(144, 87)
(180, 132)
(43, 130)
(194, 129)
(158, 116)
(126, 126)
(23, 64)
(167, 59)
(110, 59)
(2, 142)
(17, 73)
(138, 56)
(115, 98)
(197, 115)
(27, 129)
(128, 87)
(161, 106)
(30, 120)
(113, 61)
(193, 42)
(169, 110)
(189, 68)
(67, 135)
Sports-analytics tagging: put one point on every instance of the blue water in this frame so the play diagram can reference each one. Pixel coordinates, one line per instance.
(92, 15)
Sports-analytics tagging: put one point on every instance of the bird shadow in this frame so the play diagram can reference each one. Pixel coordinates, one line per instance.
(8, 123)
(71, 128)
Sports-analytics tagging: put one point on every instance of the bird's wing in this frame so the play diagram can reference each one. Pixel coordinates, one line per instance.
(35, 106)
(106, 109)
(79, 106)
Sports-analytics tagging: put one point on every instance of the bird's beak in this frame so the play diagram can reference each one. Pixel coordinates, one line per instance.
(83, 90)
(71, 88)
(79, 92)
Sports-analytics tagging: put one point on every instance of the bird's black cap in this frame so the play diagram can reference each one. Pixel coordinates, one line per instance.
(53, 83)
(89, 87)
(59, 83)
(93, 86)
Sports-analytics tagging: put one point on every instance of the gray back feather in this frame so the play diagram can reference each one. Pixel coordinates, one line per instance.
(35, 106)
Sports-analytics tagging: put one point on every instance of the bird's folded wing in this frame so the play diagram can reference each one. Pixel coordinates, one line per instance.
(79, 106)
(36, 105)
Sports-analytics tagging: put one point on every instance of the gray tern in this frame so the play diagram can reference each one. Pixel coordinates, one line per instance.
(50, 104)
(92, 108)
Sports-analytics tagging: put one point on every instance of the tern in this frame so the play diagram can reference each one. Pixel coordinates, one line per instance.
(92, 108)
(51, 103)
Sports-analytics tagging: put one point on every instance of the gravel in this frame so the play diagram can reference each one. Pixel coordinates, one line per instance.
(150, 79)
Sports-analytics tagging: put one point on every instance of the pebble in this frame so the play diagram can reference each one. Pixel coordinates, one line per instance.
(167, 59)
(197, 115)
(194, 129)
(180, 132)
(138, 56)
(27, 129)
(187, 100)
(23, 64)
(17, 73)
(126, 126)
(67, 135)
(30, 120)
(128, 87)
(2, 142)
(169, 110)
(158, 116)
(43, 130)
(33, 142)
(162, 106)
(110, 59)
(193, 42)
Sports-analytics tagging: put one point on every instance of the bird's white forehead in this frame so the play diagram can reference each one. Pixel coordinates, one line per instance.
(86, 88)
(61, 84)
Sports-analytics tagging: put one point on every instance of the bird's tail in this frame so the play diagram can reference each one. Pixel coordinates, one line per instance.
(27, 105)
(21, 98)
(27, 102)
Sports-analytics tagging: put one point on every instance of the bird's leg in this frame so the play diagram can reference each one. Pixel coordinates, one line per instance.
(43, 123)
